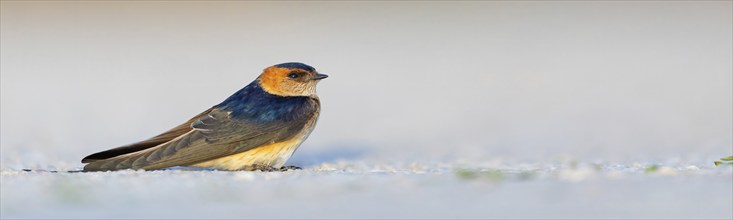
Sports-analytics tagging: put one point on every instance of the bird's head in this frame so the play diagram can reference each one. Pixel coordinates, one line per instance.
(290, 79)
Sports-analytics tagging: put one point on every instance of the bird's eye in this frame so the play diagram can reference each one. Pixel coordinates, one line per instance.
(293, 75)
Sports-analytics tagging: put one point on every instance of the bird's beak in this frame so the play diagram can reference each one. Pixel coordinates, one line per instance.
(320, 76)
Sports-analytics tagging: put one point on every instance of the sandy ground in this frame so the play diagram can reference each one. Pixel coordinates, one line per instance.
(348, 189)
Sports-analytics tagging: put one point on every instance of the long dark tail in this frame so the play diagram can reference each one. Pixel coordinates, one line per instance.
(142, 145)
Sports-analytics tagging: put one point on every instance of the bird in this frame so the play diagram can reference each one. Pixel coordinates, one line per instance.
(257, 128)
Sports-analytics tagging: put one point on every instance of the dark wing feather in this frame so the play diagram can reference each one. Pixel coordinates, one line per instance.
(142, 145)
(214, 135)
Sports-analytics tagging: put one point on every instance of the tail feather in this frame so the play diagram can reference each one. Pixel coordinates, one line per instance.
(146, 144)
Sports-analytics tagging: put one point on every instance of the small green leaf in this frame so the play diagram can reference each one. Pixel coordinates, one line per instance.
(729, 158)
(651, 168)
(466, 174)
(717, 163)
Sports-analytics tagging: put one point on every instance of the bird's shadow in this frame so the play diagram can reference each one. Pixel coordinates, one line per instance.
(308, 158)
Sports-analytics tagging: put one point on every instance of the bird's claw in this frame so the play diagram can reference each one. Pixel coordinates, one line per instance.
(273, 169)
(286, 168)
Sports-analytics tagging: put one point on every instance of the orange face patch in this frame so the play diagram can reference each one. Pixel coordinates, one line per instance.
(276, 80)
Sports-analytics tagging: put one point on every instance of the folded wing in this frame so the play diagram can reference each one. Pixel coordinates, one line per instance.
(213, 135)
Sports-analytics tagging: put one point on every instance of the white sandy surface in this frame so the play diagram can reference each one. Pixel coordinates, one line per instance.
(366, 190)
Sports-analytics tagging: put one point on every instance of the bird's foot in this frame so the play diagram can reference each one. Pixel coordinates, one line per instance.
(264, 168)
(286, 168)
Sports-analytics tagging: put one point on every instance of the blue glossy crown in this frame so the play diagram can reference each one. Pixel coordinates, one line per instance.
(296, 65)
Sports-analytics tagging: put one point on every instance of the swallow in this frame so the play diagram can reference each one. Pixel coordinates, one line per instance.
(257, 128)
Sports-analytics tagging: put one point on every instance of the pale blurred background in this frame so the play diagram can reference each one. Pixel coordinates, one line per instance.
(573, 103)
(410, 81)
